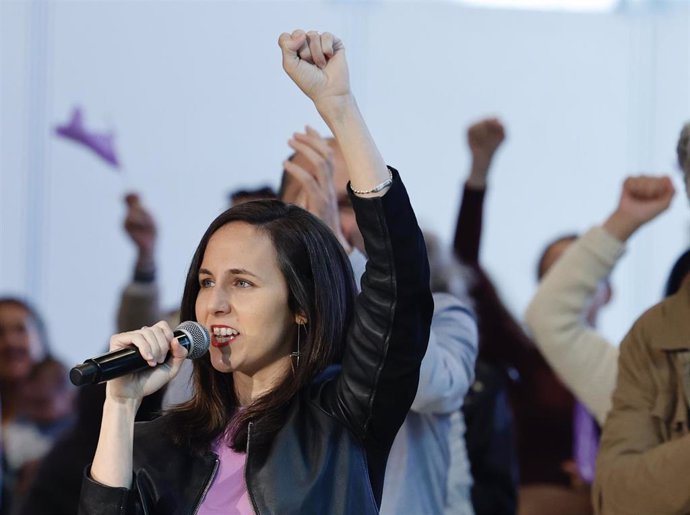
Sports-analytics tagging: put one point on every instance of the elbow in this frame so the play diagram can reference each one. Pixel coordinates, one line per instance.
(438, 405)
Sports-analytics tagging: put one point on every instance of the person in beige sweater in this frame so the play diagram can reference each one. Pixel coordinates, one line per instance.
(561, 314)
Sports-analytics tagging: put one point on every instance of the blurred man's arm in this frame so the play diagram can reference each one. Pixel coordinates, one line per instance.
(139, 303)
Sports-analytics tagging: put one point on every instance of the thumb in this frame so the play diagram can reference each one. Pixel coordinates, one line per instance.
(178, 354)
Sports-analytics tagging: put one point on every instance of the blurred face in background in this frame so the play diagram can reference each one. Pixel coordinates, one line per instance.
(47, 397)
(552, 254)
(20, 343)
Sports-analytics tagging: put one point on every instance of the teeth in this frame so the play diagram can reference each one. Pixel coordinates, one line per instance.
(224, 331)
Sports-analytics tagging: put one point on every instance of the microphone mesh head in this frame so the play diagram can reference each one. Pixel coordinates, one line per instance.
(198, 336)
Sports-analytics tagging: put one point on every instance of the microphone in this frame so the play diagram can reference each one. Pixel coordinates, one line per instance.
(192, 336)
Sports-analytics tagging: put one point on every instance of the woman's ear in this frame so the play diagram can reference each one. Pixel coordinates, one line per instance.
(300, 318)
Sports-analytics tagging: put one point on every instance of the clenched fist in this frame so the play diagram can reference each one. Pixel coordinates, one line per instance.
(316, 63)
(643, 198)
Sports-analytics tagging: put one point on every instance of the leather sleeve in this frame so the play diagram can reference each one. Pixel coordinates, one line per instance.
(390, 330)
(99, 499)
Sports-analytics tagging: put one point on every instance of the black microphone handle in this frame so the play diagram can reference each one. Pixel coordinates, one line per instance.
(115, 364)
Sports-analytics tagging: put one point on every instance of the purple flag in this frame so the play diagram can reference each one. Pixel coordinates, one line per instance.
(100, 143)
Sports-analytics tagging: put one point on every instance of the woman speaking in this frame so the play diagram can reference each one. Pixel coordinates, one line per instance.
(298, 401)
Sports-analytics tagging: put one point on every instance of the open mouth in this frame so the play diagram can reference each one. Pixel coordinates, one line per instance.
(222, 335)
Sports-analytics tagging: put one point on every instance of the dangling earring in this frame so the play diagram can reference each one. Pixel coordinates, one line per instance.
(297, 353)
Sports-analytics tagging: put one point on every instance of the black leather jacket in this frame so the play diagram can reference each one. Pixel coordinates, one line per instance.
(330, 456)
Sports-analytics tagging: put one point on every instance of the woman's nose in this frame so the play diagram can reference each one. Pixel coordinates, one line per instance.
(219, 303)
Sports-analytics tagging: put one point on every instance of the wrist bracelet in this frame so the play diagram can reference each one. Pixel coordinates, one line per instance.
(376, 188)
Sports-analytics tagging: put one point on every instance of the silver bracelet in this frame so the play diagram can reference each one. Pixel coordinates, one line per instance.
(376, 188)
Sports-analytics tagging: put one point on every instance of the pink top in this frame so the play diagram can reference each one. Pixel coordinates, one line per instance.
(228, 493)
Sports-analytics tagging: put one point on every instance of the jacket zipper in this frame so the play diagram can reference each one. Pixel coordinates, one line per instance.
(246, 464)
(216, 463)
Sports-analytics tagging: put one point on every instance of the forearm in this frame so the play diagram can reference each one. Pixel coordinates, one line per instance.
(139, 306)
(390, 329)
(478, 172)
(468, 229)
(447, 369)
(366, 167)
(112, 463)
(621, 226)
(146, 261)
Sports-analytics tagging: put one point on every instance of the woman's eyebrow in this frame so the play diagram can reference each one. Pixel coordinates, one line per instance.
(242, 271)
(233, 271)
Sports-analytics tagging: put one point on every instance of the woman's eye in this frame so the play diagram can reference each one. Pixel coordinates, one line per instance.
(205, 283)
(242, 283)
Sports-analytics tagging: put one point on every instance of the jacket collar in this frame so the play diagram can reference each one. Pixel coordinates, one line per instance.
(671, 327)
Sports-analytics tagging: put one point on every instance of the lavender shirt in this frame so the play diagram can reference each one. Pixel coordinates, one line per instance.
(228, 493)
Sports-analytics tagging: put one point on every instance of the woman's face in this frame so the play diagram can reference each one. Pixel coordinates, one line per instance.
(243, 301)
(20, 343)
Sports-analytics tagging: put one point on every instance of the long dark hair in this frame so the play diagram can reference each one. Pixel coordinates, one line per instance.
(321, 288)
